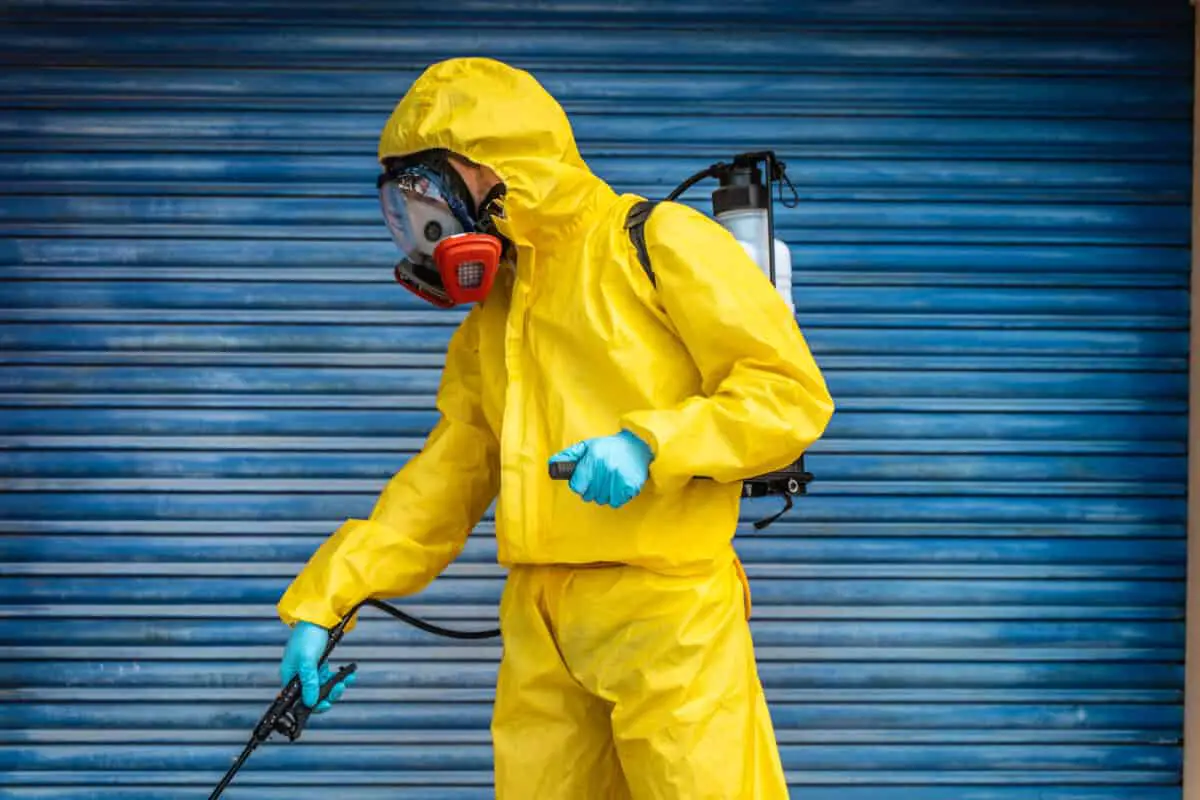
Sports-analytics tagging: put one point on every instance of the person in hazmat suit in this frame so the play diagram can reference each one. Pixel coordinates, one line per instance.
(628, 669)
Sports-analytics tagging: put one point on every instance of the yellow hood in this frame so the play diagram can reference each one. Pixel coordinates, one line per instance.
(501, 117)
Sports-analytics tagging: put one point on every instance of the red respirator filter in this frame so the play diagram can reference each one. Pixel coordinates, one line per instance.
(467, 264)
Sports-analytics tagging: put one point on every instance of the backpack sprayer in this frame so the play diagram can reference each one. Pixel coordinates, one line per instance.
(742, 204)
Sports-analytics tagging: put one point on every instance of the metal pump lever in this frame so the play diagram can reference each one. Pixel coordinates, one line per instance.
(786, 483)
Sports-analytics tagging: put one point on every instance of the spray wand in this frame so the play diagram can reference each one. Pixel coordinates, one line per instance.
(288, 714)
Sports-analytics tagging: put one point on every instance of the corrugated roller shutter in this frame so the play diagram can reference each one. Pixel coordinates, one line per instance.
(205, 368)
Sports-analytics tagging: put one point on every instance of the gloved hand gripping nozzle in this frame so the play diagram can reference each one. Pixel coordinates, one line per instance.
(289, 714)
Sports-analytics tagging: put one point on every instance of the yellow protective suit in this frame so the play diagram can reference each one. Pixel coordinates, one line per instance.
(628, 668)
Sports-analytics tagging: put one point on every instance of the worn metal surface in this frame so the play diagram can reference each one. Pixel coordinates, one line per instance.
(205, 368)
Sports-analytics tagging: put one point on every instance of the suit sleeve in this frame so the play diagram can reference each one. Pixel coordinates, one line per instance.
(763, 400)
(421, 520)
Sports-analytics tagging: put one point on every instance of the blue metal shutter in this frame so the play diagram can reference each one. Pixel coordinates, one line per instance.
(206, 369)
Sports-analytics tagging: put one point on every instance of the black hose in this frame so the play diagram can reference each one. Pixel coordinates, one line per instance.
(428, 627)
(707, 172)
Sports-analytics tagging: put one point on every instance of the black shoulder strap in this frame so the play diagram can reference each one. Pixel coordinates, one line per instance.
(635, 223)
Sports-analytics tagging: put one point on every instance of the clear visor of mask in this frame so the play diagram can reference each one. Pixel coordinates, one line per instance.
(418, 214)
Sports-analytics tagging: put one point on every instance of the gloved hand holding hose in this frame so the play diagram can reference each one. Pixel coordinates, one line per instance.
(610, 470)
(302, 657)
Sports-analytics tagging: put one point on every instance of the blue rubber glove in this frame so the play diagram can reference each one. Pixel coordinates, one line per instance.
(301, 657)
(610, 470)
